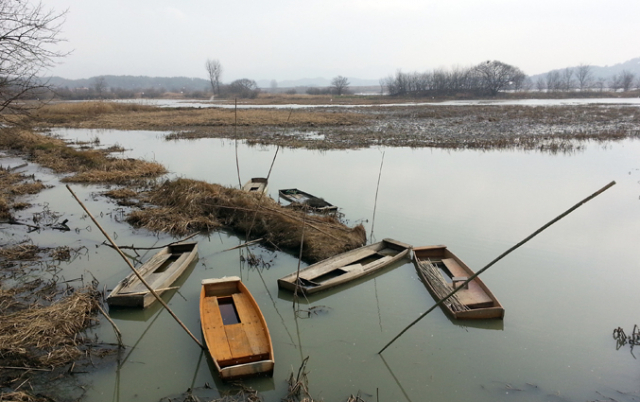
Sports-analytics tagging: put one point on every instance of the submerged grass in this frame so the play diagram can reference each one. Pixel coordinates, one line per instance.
(189, 205)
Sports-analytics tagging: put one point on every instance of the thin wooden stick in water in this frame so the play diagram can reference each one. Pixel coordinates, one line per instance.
(115, 246)
(501, 256)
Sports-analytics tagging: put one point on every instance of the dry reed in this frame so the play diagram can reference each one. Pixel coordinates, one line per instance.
(186, 205)
(432, 275)
(46, 336)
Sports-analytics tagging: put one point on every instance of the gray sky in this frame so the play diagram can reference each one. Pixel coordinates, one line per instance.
(287, 39)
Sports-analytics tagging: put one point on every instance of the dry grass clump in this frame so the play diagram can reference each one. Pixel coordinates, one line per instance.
(118, 171)
(188, 205)
(121, 193)
(20, 252)
(46, 336)
(20, 396)
(28, 188)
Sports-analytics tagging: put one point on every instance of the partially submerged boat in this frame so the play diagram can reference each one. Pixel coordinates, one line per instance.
(304, 198)
(441, 270)
(160, 272)
(345, 267)
(256, 185)
(234, 329)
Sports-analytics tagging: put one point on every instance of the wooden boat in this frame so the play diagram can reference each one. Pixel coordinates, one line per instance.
(473, 302)
(160, 272)
(345, 267)
(301, 197)
(234, 329)
(256, 184)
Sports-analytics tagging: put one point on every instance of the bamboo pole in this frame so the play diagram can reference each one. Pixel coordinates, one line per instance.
(472, 277)
(115, 246)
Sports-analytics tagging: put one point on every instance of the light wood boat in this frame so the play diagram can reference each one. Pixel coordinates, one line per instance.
(473, 302)
(160, 272)
(234, 329)
(302, 197)
(345, 267)
(256, 185)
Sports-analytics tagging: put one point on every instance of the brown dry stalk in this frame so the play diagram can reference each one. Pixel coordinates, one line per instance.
(46, 336)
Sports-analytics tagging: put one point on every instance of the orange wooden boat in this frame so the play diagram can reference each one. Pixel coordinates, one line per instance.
(234, 329)
(473, 302)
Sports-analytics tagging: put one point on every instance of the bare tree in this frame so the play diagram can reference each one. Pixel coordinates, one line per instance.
(626, 80)
(584, 76)
(496, 76)
(100, 86)
(554, 81)
(340, 85)
(541, 84)
(567, 79)
(28, 36)
(214, 69)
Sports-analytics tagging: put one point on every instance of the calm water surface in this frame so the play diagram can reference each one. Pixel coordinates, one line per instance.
(564, 292)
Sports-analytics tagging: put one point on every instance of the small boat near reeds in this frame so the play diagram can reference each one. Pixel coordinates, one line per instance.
(160, 272)
(234, 329)
(441, 270)
(256, 185)
(345, 267)
(304, 198)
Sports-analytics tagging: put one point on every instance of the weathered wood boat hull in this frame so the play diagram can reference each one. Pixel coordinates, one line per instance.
(234, 329)
(256, 185)
(345, 267)
(160, 272)
(479, 300)
(302, 197)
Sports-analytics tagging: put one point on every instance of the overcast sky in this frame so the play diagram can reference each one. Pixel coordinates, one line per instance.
(292, 39)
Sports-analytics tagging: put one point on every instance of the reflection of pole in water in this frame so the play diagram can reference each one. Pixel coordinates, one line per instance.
(395, 379)
(197, 368)
(275, 307)
(375, 202)
(116, 391)
(295, 317)
(375, 288)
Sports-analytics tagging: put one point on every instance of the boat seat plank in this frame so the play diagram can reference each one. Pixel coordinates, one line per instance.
(213, 328)
(310, 274)
(378, 262)
(238, 341)
(474, 296)
(252, 324)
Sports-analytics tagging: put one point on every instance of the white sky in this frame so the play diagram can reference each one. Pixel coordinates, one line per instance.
(292, 39)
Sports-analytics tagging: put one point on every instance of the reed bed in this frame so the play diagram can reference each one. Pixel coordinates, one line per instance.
(185, 206)
(88, 166)
(126, 117)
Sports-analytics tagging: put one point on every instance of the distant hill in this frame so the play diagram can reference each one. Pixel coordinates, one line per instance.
(176, 84)
(606, 72)
(173, 84)
(315, 82)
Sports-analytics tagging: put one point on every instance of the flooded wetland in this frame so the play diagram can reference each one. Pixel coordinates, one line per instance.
(476, 178)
